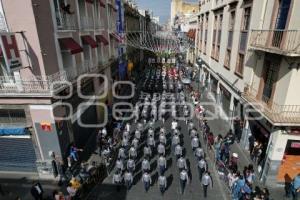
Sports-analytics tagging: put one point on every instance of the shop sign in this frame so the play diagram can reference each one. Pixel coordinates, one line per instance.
(295, 145)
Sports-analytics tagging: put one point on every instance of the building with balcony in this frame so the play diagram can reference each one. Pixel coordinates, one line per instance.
(249, 59)
(64, 46)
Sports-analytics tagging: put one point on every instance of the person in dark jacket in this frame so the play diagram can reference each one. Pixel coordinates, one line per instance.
(37, 191)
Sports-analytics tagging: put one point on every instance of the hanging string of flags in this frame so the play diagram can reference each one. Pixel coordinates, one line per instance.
(159, 42)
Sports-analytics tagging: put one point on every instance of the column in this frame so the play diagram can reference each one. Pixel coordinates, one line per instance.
(245, 135)
(218, 96)
(231, 111)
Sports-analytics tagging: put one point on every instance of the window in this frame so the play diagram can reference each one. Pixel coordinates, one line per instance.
(246, 19)
(213, 49)
(240, 65)
(232, 20)
(227, 59)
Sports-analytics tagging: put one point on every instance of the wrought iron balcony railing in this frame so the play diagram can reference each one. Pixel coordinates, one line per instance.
(278, 114)
(65, 22)
(284, 42)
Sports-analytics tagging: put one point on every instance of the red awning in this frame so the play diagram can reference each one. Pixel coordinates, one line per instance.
(102, 3)
(115, 36)
(89, 1)
(89, 40)
(101, 39)
(70, 44)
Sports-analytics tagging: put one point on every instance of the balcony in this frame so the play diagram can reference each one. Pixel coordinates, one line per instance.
(65, 22)
(277, 114)
(35, 86)
(87, 23)
(283, 42)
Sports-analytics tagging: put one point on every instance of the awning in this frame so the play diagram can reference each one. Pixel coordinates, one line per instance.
(89, 40)
(70, 44)
(115, 36)
(101, 39)
(102, 3)
(90, 1)
(13, 131)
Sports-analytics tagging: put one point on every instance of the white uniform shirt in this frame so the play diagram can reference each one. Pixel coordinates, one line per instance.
(128, 176)
(131, 164)
(178, 150)
(145, 164)
(121, 153)
(202, 164)
(132, 152)
(206, 180)
(147, 178)
(195, 142)
(162, 181)
(184, 176)
(135, 142)
(150, 132)
(162, 139)
(120, 164)
(151, 141)
(147, 151)
(162, 161)
(117, 178)
(181, 163)
(175, 140)
(161, 149)
(199, 152)
(124, 142)
(174, 125)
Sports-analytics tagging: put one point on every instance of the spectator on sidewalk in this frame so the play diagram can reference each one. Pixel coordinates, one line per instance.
(37, 191)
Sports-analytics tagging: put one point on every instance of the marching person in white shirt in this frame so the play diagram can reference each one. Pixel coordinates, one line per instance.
(175, 141)
(119, 165)
(184, 179)
(181, 164)
(162, 184)
(132, 153)
(130, 165)
(178, 151)
(147, 151)
(145, 165)
(162, 164)
(162, 139)
(195, 143)
(137, 134)
(121, 153)
(202, 167)
(147, 181)
(117, 180)
(151, 143)
(193, 133)
(174, 125)
(128, 179)
(206, 181)
(135, 143)
(161, 149)
(199, 153)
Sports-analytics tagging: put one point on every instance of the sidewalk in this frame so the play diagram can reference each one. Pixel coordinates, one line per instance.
(221, 126)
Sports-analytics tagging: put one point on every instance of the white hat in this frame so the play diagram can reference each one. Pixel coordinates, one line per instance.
(235, 155)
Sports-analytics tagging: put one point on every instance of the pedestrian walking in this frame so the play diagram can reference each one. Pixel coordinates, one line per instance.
(161, 149)
(162, 184)
(199, 153)
(174, 125)
(130, 165)
(135, 143)
(147, 181)
(181, 164)
(125, 143)
(178, 151)
(117, 180)
(119, 165)
(195, 143)
(184, 179)
(151, 143)
(128, 179)
(175, 141)
(121, 153)
(206, 181)
(202, 168)
(162, 164)
(132, 153)
(147, 151)
(193, 133)
(145, 165)
(162, 139)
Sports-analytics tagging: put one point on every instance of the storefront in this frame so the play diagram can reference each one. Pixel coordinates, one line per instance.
(225, 98)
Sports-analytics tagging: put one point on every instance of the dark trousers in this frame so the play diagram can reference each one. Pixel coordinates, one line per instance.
(201, 171)
(162, 189)
(162, 169)
(205, 190)
(182, 185)
(128, 184)
(146, 186)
